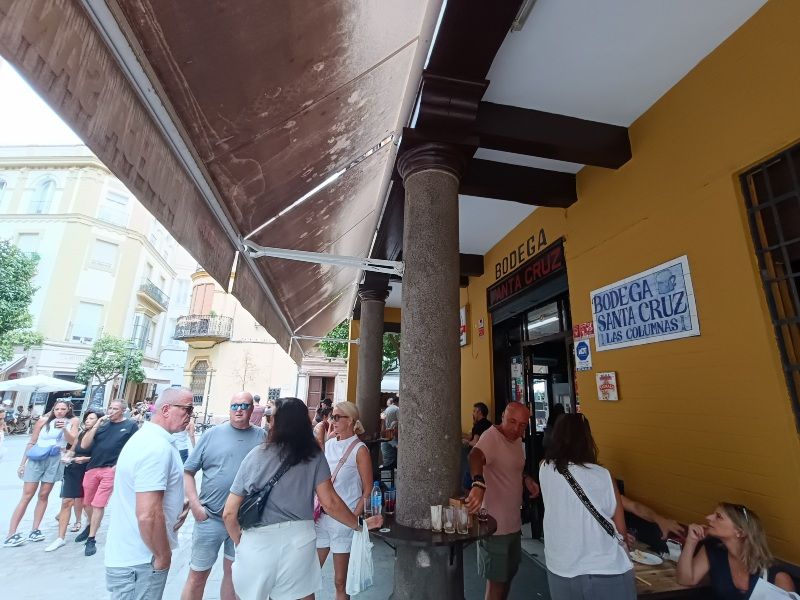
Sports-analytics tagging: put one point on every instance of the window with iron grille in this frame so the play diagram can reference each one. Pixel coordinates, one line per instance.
(198, 382)
(274, 393)
(772, 194)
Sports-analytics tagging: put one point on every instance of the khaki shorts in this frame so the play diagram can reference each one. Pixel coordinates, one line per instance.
(499, 556)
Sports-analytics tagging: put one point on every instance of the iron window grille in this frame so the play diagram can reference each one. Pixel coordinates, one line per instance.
(772, 196)
(274, 393)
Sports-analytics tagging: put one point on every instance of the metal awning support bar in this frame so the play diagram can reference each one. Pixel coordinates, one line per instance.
(325, 339)
(392, 267)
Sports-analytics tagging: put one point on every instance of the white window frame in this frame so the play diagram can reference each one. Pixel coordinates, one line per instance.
(101, 265)
(41, 202)
(82, 339)
(28, 234)
(114, 208)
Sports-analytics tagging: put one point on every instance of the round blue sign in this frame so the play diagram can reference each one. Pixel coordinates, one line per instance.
(582, 350)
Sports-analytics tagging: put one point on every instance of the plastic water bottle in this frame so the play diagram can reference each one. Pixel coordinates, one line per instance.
(377, 498)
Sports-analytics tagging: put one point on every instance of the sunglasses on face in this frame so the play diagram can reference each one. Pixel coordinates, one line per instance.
(189, 408)
(337, 417)
(241, 406)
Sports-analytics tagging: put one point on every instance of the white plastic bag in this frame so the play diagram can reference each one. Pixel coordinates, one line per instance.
(766, 591)
(360, 571)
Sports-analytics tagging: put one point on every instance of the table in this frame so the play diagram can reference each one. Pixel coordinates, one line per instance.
(663, 584)
(425, 538)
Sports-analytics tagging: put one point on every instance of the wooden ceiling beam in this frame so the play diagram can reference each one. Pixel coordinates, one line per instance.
(549, 135)
(527, 185)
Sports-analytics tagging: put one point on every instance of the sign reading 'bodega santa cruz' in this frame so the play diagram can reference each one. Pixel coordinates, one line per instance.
(653, 306)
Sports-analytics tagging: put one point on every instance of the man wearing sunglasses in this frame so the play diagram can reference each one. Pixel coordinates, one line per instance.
(148, 503)
(218, 454)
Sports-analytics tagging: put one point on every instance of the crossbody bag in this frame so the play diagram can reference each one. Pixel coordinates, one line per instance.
(317, 505)
(604, 523)
(254, 503)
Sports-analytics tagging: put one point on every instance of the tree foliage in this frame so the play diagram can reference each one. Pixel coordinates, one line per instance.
(107, 360)
(17, 271)
(337, 349)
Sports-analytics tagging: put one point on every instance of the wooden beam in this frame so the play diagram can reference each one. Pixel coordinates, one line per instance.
(471, 265)
(549, 135)
(526, 185)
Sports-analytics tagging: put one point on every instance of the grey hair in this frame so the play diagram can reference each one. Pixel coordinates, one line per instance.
(169, 395)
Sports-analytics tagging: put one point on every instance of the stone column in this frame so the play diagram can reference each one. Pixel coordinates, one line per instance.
(430, 366)
(370, 355)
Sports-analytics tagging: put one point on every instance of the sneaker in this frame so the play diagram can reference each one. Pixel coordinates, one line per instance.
(91, 548)
(36, 536)
(83, 535)
(14, 541)
(57, 543)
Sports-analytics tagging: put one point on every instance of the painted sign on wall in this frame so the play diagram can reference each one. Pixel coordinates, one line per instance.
(548, 263)
(607, 386)
(583, 355)
(462, 330)
(653, 306)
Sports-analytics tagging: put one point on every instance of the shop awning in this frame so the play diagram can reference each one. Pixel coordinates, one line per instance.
(152, 375)
(12, 365)
(222, 116)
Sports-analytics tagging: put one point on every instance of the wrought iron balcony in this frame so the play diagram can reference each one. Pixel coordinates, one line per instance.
(203, 327)
(154, 293)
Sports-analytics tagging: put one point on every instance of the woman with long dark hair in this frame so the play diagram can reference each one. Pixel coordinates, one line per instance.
(581, 545)
(286, 527)
(734, 554)
(75, 460)
(41, 467)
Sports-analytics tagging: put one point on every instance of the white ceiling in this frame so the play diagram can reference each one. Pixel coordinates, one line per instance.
(608, 60)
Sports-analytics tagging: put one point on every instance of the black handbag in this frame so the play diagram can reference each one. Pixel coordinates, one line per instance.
(253, 504)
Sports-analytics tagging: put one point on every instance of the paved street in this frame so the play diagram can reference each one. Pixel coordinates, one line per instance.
(30, 573)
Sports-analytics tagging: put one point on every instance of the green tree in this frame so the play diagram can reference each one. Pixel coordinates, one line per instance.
(338, 349)
(107, 360)
(17, 271)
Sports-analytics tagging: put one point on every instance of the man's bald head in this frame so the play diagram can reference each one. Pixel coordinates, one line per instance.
(516, 418)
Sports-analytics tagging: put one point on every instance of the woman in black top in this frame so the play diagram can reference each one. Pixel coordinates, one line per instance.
(72, 486)
(734, 555)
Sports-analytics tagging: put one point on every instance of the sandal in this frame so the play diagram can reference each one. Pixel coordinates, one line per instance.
(75, 527)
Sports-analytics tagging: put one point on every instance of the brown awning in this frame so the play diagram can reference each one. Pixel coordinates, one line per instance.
(257, 103)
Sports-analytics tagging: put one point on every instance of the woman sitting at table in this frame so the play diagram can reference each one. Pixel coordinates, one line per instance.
(734, 555)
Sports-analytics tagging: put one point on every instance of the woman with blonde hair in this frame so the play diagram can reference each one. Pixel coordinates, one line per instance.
(734, 554)
(351, 474)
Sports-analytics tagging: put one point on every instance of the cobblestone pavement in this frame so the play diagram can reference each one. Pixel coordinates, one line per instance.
(29, 573)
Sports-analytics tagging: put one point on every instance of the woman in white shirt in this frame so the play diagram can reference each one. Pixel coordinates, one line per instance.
(351, 482)
(585, 561)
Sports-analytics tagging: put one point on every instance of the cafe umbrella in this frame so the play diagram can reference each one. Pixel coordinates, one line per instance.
(40, 384)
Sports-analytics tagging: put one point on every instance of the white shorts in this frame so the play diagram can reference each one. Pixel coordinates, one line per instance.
(277, 561)
(332, 534)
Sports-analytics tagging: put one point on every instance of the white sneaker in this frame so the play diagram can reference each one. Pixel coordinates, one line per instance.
(57, 543)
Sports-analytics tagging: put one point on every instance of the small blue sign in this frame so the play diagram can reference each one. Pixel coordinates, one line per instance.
(582, 350)
(583, 355)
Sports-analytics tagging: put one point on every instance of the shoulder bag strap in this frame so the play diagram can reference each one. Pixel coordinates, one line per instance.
(281, 471)
(344, 458)
(604, 523)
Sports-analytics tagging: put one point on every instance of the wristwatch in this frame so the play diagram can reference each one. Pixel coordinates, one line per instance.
(360, 522)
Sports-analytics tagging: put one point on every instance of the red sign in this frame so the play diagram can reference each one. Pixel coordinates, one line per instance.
(531, 273)
(583, 330)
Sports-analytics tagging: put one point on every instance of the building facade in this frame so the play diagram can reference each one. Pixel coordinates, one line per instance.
(105, 265)
(228, 351)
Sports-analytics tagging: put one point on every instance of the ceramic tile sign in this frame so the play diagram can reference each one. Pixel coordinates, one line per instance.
(462, 331)
(652, 306)
(607, 386)
(583, 355)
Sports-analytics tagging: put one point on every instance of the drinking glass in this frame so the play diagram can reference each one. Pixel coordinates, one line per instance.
(483, 515)
(448, 520)
(389, 499)
(436, 518)
(367, 509)
(462, 520)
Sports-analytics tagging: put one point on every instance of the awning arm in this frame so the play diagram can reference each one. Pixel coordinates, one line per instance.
(392, 267)
(315, 338)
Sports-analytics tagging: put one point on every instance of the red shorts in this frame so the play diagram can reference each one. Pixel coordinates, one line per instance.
(97, 486)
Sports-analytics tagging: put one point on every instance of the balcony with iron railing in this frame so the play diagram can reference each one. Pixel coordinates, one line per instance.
(203, 328)
(151, 294)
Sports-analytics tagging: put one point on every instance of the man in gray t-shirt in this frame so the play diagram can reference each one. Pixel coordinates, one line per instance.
(218, 454)
(390, 422)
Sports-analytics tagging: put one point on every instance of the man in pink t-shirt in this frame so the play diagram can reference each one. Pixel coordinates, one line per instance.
(497, 465)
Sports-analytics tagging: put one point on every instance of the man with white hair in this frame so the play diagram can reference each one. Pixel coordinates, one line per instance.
(147, 503)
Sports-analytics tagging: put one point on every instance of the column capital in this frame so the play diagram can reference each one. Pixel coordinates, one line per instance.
(437, 156)
(367, 294)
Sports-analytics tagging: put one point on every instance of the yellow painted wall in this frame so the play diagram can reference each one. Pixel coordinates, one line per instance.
(707, 418)
(390, 315)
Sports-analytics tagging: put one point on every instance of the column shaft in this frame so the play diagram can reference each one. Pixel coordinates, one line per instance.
(370, 355)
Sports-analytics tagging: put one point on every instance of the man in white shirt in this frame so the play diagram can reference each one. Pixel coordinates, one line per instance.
(148, 503)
